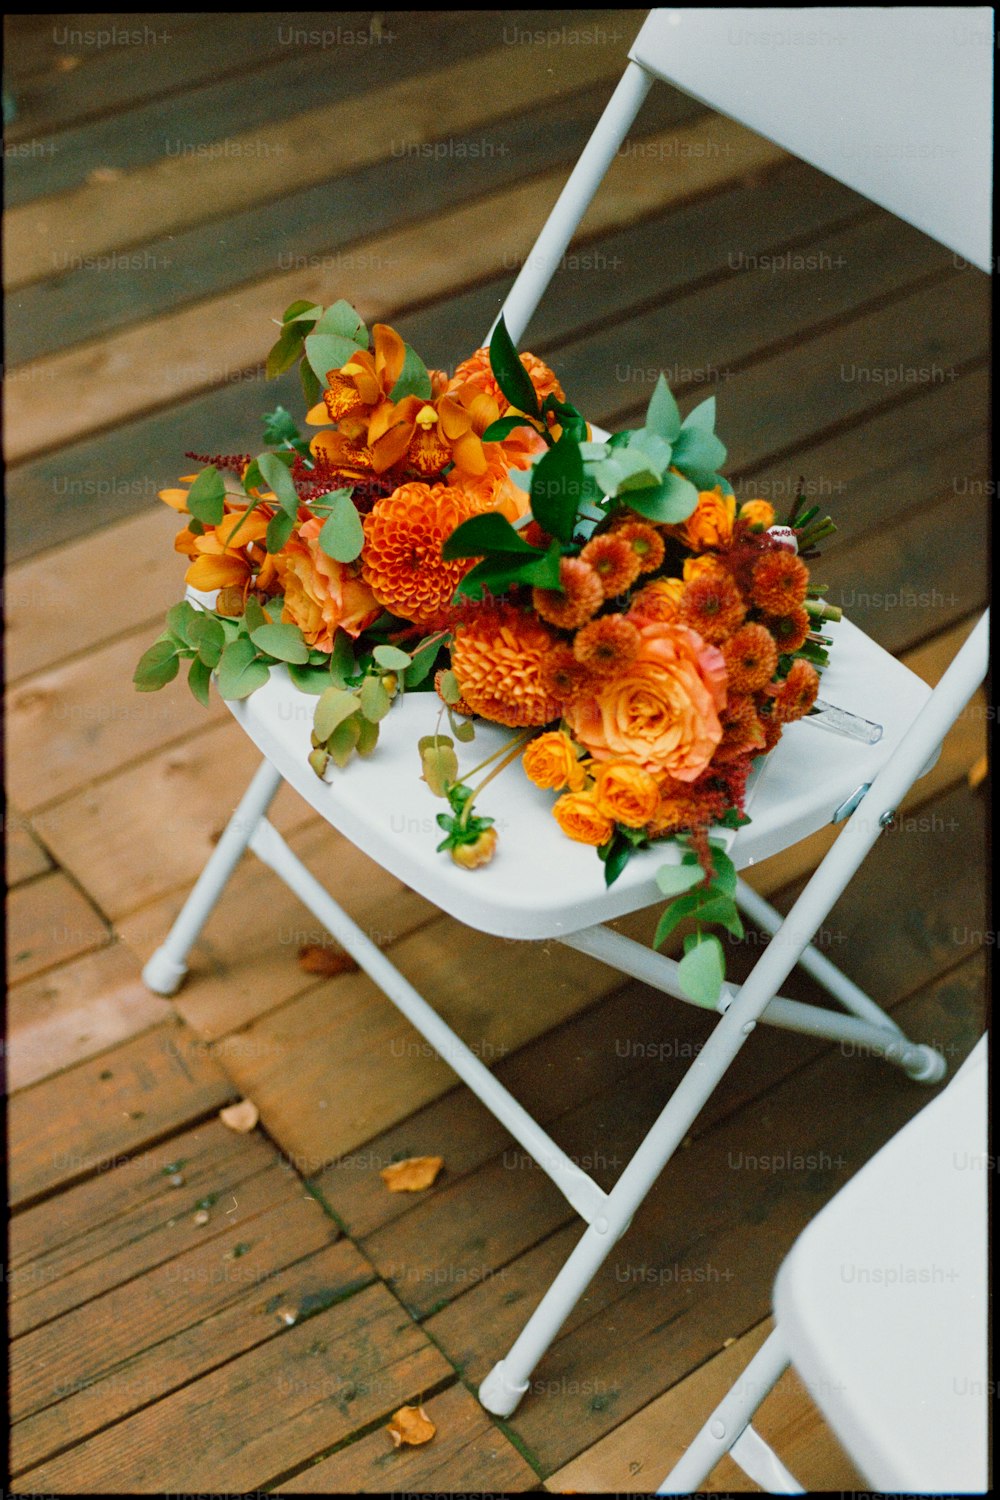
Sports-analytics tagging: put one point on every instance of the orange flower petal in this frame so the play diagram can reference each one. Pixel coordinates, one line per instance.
(252, 529)
(470, 454)
(318, 416)
(410, 1425)
(390, 448)
(207, 573)
(390, 355)
(412, 1175)
(176, 499)
(455, 420)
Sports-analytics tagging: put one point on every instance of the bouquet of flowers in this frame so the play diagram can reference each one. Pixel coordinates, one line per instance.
(645, 636)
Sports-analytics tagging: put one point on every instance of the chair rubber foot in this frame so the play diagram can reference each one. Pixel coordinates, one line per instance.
(499, 1395)
(926, 1065)
(163, 974)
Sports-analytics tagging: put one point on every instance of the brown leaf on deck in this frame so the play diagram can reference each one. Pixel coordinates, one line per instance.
(242, 1116)
(316, 958)
(410, 1426)
(412, 1175)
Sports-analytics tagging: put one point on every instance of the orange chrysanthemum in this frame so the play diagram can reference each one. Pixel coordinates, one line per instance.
(751, 658)
(712, 604)
(797, 693)
(645, 541)
(580, 600)
(772, 731)
(497, 655)
(607, 645)
(757, 513)
(780, 581)
(401, 560)
(478, 370)
(790, 630)
(659, 600)
(614, 562)
(563, 677)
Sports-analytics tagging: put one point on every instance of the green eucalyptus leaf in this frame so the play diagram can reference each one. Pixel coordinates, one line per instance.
(311, 388)
(279, 529)
(344, 320)
(375, 700)
(670, 501)
(328, 352)
(335, 705)
(179, 619)
(207, 636)
(206, 496)
(424, 657)
(156, 667)
(275, 474)
(199, 680)
(344, 740)
(368, 734)
(440, 766)
(702, 970)
(702, 416)
(341, 662)
(674, 880)
(342, 535)
(283, 354)
(284, 642)
(662, 415)
(392, 658)
(307, 679)
(240, 670)
(253, 615)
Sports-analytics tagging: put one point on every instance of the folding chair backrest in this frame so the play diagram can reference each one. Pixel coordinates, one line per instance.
(894, 101)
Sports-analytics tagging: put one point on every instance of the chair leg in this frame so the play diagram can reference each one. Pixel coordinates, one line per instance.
(166, 969)
(728, 1430)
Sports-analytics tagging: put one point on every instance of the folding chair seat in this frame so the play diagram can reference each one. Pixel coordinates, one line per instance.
(541, 885)
(881, 1306)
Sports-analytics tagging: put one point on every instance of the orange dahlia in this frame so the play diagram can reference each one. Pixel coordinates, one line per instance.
(751, 658)
(614, 561)
(780, 581)
(581, 597)
(401, 559)
(712, 604)
(797, 693)
(498, 655)
(607, 645)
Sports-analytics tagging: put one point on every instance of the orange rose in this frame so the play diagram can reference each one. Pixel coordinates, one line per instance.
(661, 712)
(495, 490)
(658, 600)
(627, 794)
(710, 524)
(757, 513)
(550, 762)
(580, 818)
(322, 595)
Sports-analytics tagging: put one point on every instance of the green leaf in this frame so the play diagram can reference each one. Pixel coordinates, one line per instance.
(327, 352)
(702, 970)
(480, 536)
(285, 351)
(253, 616)
(179, 620)
(199, 680)
(724, 878)
(319, 760)
(463, 729)
(558, 489)
(207, 636)
(511, 376)
(424, 657)
(671, 501)
(721, 910)
(276, 476)
(314, 680)
(343, 319)
(616, 854)
(335, 705)
(299, 309)
(284, 642)
(674, 880)
(342, 535)
(498, 573)
(279, 529)
(375, 701)
(414, 379)
(344, 739)
(280, 427)
(311, 388)
(699, 453)
(702, 415)
(367, 736)
(440, 766)
(450, 690)
(206, 495)
(156, 667)
(240, 672)
(630, 469)
(503, 427)
(392, 658)
(662, 415)
(341, 660)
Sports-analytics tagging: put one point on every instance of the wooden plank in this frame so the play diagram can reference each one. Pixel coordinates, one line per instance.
(122, 1223)
(109, 1107)
(36, 593)
(265, 1413)
(313, 146)
(412, 42)
(698, 1263)
(314, 227)
(242, 969)
(144, 57)
(24, 856)
(468, 1454)
(222, 1308)
(149, 365)
(360, 1067)
(50, 921)
(638, 1454)
(83, 719)
(74, 1012)
(167, 811)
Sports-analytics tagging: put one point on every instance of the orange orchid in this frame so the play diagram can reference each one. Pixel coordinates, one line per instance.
(366, 380)
(224, 560)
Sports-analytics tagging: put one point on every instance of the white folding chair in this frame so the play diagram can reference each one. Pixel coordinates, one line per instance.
(541, 885)
(881, 1306)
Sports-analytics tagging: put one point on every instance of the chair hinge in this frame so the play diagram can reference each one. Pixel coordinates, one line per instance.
(852, 803)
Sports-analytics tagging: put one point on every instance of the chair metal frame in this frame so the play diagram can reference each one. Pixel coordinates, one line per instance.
(866, 1027)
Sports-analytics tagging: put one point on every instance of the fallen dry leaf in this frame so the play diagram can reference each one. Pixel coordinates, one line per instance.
(104, 174)
(410, 1425)
(412, 1175)
(316, 958)
(242, 1116)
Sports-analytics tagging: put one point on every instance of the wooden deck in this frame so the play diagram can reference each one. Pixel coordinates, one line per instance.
(168, 196)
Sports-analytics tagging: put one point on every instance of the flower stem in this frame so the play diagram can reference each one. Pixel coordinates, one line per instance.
(512, 752)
